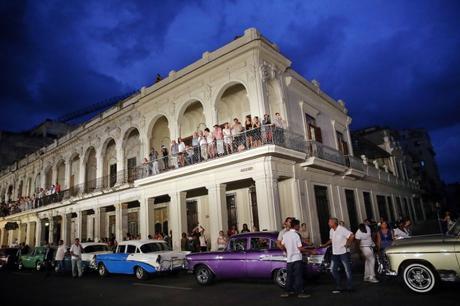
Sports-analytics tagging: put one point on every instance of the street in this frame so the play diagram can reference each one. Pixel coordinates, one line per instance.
(32, 287)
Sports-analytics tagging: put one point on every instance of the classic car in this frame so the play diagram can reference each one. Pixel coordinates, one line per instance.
(33, 260)
(423, 261)
(90, 250)
(141, 258)
(8, 257)
(249, 255)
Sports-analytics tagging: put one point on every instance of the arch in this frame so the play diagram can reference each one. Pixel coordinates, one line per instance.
(159, 133)
(90, 169)
(132, 151)
(60, 172)
(9, 193)
(191, 118)
(109, 159)
(232, 102)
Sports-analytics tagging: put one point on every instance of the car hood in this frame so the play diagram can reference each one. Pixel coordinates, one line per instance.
(419, 239)
(205, 255)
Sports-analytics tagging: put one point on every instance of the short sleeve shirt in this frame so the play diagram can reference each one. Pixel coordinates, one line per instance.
(75, 250)
(281, 234)
(339, 238)
(365, 239)
(291, 241)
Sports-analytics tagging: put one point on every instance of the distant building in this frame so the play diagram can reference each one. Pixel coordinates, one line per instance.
(453, 198)
(16, 145)
(417, 144)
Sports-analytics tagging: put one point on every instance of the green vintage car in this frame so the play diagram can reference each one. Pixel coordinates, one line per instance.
(33, 260)
(422, 262)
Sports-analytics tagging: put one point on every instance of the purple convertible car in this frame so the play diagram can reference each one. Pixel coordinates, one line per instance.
(249, 255)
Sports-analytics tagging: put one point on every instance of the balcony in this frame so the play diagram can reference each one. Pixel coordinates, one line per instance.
(355, 167)
(325, 158)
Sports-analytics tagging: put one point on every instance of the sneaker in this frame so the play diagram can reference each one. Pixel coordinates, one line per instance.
(373, 280)
(303, 296)
(336, 291)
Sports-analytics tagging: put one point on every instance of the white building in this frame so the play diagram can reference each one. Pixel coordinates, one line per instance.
(307, 170)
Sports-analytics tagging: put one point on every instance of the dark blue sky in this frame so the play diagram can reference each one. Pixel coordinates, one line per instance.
(395, 63)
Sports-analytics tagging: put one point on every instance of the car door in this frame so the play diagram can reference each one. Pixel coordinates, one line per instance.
(232, 263)
(27, 259)
(115, 262)
(258, 257)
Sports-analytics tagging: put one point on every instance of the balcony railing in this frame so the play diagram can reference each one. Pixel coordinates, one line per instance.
(204, 151)
(317, 149)
(354, 162)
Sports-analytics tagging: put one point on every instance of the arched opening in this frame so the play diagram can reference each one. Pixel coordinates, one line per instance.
(29, 187)
(74, 175)
(132, 148)
(191, 120)
(233, 103)
(37, 184)
(20, 187)
(9, 193)
(90, 170)
(48, 177)
(160, 134)
(110, 164)
(60, 169)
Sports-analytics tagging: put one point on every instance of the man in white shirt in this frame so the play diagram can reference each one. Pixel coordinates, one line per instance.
(341, 239)
(293, 246)
(75, 251)
(287, 226)
(60, 253)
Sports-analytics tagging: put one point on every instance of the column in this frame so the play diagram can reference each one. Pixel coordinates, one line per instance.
(19, 232)
(177, 217)
(67, 175)
(38, 232)
(64, 229)
(144, 218)
(268, 202)
(79, 224)
(99, 170)
(51, 230)
(296, 190)
(53, 175)
(217, 212)
(120, 163)
(121, 221)
(82, 174)
(28, 235)
(97, 224)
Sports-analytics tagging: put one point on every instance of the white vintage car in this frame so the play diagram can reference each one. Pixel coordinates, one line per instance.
(141, 258)
(91, 249)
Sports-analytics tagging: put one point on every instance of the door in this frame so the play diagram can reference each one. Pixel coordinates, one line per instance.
(232, 218)
(232, 263)
(351, 207)
(322, 208)
(368, 205)
(258, 257)
(131, 169)
(192, 215)
(113, 175)
(255, 211)
(381, 204)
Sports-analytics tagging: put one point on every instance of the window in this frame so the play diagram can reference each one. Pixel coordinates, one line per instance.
(154, 247)
(391, 208)
(238, 244)
(131, 249)
(381, 204)
(259, 244)
(368, 205)
(313, 131)
(351, 206)
(96, 248)
(343, 146)
(121, 248)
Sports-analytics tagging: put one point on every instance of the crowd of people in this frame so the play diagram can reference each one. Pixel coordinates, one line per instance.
(222, 140)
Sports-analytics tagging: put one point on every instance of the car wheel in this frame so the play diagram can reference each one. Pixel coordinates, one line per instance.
(203, 275)
(102, 270)
(418, 277)
(141, 274)
(38, 266)
(280, 277)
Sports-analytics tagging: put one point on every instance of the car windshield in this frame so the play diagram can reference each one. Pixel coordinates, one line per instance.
(454, 230)
(154, 247)
(96, 248)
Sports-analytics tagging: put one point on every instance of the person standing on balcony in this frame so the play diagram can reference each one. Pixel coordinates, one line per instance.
(227, 132)
(219, 138)
(257, 136)
(248, 131)
(196, 144)
(203, 145)
(238, 137)
(280, 126)
(181, 149)
(174, 149)
(267, 129)
(211, 143)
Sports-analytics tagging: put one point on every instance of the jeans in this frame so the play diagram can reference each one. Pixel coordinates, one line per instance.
(294, 282)
(76, 265)
(60, 266)
(369, 264)
(345, 260)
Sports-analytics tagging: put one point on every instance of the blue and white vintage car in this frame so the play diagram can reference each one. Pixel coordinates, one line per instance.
(141, 258)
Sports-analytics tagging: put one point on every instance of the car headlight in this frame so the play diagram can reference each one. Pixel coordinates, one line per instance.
(315, 259)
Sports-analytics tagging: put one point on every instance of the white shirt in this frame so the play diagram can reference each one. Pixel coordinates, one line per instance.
(60, 253)
(76, 250)
(291, 241)
(181, 147)
(400, 234)
(365, 239)
(281, 234)
(339, 239)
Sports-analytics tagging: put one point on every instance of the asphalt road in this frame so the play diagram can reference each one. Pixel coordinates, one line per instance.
(32, 287)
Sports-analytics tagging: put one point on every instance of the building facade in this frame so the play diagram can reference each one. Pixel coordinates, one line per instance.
(302, 167)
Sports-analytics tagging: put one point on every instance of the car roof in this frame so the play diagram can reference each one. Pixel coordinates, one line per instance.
(85, 244)
(263, 234)
(139, 243)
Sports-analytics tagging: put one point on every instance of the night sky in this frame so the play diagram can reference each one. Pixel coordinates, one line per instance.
(394, 63)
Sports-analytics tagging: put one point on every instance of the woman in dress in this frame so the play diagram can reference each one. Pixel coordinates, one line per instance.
(249, 132)
(384, 237)
(256, 133)
(227, 131)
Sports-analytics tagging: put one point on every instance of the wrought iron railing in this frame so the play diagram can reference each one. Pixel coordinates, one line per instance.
(317, 149)
(354, 162)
